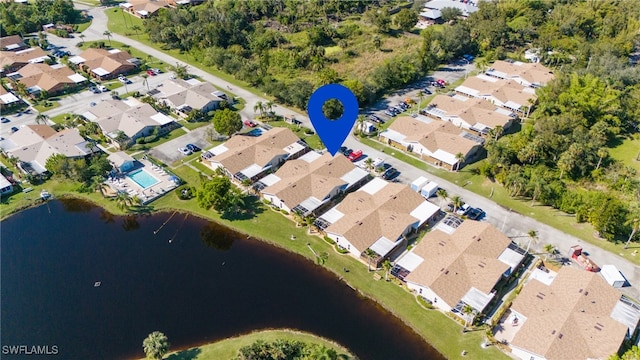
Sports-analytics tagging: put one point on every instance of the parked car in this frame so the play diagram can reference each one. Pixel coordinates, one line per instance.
(156, 71)
(347, 152)
(185, 151)
(375, 119)
(5, 120)
(441, 83)
(206, 155)
(390, 174)
(426, 91)
(102, 88)
(475, 213)
(342, 149)
(403, 106)
(355, 155)
(92, 104)
(151, 73)
(389, 113)
(463, 209)
(124, 80)
(14, 129)
(94, 90)
(193, 148)
(250, 123)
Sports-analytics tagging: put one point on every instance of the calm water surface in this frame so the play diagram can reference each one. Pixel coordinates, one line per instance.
(209, 283)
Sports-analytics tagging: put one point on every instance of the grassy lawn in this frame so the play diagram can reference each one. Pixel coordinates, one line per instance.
(203, 168)
(193, 125)
(228, 348)
(496, 192)
(173, 134)
(42, 108)
(59, 119)
(112, 85)
(80, 27)
(628, 152)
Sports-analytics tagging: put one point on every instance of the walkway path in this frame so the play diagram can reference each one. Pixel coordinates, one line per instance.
(513, 224)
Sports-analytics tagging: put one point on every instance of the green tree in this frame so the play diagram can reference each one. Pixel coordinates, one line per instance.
(460, 159)
(468, 312)
(442, 194)
(107, 33)
(380, 18)
(81, 36)
(633, 222)
(450, 13)
(181, 70)
(123, 200)
(227, 122)
(386, 265)
(533, 237)
(457, 202)
(221, 195)
(631, 354)
(369, 163)
(259, 107)
(60, 166)
(332, 109)
(42, 119)
(406, 19)
(136, 28)
(156, 345)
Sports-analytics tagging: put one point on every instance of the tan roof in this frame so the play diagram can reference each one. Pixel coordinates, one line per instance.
(472, 110)
(301, 179)
(131, 121)
(8, 41)
(485, 86)
(112, 62)
(532, 73)
(464, 259)
(46, 77)
(368, 217)
(436, 135)
(512, 91)
(149, 6)
(571, 318)
(244, 151)
(11, 58)
(179, 92)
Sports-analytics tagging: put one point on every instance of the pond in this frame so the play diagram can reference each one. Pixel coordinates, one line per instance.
(95, 285)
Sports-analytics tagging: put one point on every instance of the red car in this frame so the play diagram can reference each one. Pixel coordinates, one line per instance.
(441, 82)
(355, 155)
(151, 73)
(250, 123)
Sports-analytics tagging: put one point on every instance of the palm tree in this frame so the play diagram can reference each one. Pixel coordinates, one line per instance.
(259, 106)
(107, 33)
(42, 119)
(269, 105)
(460, 157)
(468, 312)
(145, 81)
(369, 163)
(550, 249)
(533, 236)
(322, 258)
(135, 28)
(321, 352)
(386, 265)
(420, 96)
(457, 202)
(634, 223)
(123, 200)
(156, 345)
(497, 131)
(81, 36)
(370, 254)
(442, 194)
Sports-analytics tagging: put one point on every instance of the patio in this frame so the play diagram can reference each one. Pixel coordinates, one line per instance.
(123, 182)
(508, 326)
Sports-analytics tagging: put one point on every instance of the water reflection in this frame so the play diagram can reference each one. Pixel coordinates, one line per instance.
(212, 236)
(130, 222)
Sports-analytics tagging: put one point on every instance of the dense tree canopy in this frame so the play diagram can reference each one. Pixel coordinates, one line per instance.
(227, 122)
(285, 350)
(19, 18)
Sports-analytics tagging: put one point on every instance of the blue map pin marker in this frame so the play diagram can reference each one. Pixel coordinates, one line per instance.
(333, 132)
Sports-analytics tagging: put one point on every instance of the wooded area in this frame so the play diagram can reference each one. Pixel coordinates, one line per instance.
(18, 18)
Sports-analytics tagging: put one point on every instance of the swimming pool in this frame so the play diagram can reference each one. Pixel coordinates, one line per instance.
(143, 178)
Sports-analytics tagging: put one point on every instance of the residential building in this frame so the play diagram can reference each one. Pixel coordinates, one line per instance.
(5, 186)
(379, 217)
(143, 8)
(438, 142)
(8, 99)
(527, 74)
(12, 43)
(508, 94)
(53, 79)
(571, 314)
(473, 114)
(308, 184)
(455, 267)
(11, 61)
(34, 144)
(432, 9)
(185, 95)
(105, 64)
(246, 158)
(129, 117)
(121, 161)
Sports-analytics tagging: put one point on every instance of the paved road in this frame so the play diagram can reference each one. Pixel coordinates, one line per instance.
(514, 225)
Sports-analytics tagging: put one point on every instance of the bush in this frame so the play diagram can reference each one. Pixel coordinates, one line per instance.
(341, 250)
(329, 240)
(284, 211)
(140, 141)
(185, 192)
(424, 302)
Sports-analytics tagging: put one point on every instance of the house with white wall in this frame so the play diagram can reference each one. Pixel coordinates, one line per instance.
(379, 216)
(461, 266)
(307, 184)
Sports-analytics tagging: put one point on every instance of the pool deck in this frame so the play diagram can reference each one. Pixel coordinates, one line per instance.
(123, 183)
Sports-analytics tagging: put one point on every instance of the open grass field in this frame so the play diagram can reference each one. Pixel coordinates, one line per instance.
(228, 349)
(628, 152)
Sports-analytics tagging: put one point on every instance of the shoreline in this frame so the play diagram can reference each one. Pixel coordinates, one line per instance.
(368, 293)
(261, 333)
